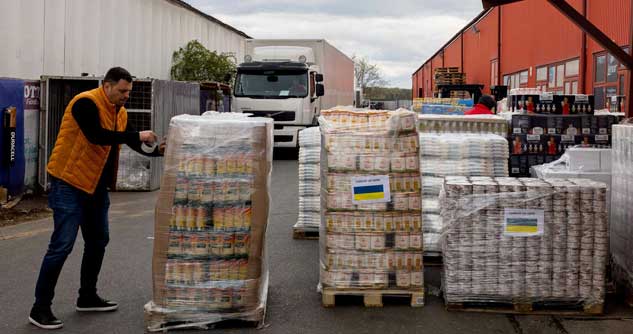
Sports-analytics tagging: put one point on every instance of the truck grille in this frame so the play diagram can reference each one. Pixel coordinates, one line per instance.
(277, 115)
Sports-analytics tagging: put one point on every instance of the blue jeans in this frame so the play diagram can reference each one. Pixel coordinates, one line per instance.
(72, 209)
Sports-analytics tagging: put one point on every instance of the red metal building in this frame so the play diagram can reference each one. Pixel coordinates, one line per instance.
(531, 44)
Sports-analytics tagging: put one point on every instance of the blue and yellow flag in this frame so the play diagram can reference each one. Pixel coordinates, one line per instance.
(367, 193)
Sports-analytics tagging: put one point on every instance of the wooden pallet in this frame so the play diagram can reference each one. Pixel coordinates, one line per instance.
(534, 308)
(305, 233)
(372, 298)
(159, 322)
(446, 70)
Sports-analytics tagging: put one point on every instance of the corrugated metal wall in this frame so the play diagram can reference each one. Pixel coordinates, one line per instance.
(68, 37)
(480, 48)
(533, 33)
(453, 54)
(611, 17)
(545, 37)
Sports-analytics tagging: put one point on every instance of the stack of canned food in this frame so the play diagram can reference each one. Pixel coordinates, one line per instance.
(371, 239)
(211, 218)
(531, 240)
(309, 180)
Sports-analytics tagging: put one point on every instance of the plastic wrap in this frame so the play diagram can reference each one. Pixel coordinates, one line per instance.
(525, 240)
(209, 261)
(455, 154)
(134, 172)
(463, 124)
(371, 231)
(309, 180)
(573, 168)
(622, 204)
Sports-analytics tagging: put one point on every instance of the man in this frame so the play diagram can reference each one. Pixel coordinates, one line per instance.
(483, 107)
(83, 166)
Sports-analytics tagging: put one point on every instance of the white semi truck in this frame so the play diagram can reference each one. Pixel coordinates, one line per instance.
(292, 80)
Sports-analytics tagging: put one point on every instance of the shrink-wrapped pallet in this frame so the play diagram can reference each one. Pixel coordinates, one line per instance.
(525, 241)
(371, 229)
(209, 261)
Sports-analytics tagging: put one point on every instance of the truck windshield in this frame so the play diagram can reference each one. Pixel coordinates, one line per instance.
(272, 84)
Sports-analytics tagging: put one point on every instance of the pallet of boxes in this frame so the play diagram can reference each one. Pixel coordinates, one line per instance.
(307, 226)
(621, 212)
(525, 246)
(209, 262)
(456, 146)
(371, 229)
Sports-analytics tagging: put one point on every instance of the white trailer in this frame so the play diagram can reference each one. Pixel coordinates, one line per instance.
(292, 80)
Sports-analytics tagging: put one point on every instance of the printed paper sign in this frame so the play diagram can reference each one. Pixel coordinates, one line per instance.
(523, 222)
(370, 189)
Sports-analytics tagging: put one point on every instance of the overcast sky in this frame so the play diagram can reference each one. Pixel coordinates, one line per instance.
(397, 35)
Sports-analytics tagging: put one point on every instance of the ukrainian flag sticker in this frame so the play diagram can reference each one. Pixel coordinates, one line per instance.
(523, 223)
(370, 189)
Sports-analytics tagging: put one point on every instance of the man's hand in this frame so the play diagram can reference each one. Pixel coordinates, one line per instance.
(148, 136)
(162, 146)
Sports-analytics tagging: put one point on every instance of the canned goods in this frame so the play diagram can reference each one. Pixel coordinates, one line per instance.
(398, 164)
(378, 241)
(415, 241)
(403, 278)
(363, 241)
(241, 243)
(228, 244)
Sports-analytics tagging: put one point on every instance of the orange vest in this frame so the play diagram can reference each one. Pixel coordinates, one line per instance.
(74, 159)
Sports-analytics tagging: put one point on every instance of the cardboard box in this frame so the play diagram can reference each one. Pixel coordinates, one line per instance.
(547, 105)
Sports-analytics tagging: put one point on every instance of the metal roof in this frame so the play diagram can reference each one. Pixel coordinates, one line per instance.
(184, 4)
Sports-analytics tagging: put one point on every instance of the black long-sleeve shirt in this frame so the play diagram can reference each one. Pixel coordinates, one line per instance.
(86, 114)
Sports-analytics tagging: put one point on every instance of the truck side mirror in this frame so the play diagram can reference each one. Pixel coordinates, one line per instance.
(320, 90)
(318, 77)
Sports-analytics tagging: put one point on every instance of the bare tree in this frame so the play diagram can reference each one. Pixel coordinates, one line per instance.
(367, 75)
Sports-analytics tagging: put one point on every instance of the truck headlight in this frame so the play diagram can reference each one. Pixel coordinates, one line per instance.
(302, 59)
(248, 58)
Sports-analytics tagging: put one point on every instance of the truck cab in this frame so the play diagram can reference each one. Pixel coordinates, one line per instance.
(281, 82)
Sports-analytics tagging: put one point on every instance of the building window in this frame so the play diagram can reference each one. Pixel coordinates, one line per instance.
(494, 72)
(600, 67)
(560, 75)
(608, 78)
(571, 68)
(559, 78)
(541, 74)
(612, 69)
(523, 77)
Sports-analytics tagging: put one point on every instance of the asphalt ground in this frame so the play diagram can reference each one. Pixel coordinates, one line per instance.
(294, 305)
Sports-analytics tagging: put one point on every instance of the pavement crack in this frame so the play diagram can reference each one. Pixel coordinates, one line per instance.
(558, 325)
(515, 324)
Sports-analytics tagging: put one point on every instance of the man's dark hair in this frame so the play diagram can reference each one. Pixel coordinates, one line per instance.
(117, 73)
(488, 101)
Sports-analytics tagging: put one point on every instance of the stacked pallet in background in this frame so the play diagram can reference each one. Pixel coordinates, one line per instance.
(371, 231)
(448, 76)
(538, 139)
(525, 245)
(463, 124)
(441, 106)
(209, 261)
(461, 154)
(307, 226)
(621, 204)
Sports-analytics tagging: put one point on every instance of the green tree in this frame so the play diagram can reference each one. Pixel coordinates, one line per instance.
(194, 62)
